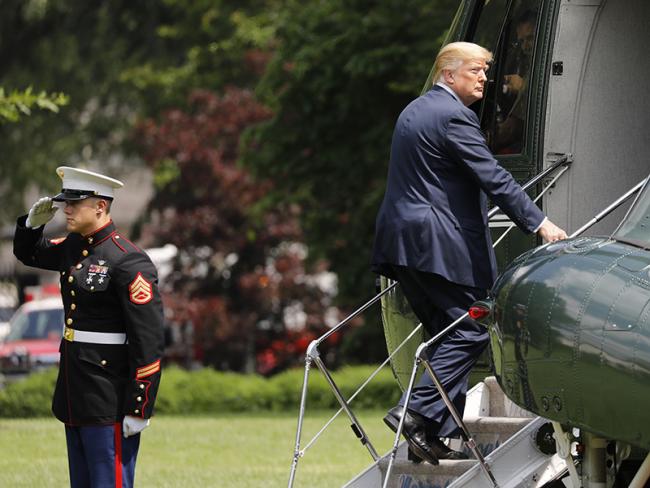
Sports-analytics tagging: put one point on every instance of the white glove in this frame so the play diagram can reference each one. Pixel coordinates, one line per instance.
(133, 425)
(40, 213)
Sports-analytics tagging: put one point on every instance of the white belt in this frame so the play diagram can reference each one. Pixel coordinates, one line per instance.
(73, 335)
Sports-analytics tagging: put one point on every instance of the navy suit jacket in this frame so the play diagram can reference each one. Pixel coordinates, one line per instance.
(434, 214)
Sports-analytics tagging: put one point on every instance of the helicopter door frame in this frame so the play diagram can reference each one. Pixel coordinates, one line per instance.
(531, 159)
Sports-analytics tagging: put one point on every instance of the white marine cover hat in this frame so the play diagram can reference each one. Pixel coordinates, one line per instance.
(78, 184)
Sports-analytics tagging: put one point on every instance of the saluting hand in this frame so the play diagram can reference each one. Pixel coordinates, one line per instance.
(40, 213)
(551, 232)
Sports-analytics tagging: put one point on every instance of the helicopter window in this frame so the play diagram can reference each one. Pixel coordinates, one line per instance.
(488, 25)
(511, 37)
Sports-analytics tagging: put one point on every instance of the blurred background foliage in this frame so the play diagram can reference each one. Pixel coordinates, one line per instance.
(267, 127)
(186, 393)
(18, 104)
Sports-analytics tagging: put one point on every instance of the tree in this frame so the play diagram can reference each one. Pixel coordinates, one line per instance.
(118, 61)
(20, 103)
(81, 49)
(341, 73)
(241, 276)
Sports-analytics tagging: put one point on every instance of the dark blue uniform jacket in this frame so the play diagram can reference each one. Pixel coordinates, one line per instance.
(434, 214)
(108, 285)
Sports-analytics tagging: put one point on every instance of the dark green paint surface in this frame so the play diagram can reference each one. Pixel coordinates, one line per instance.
(570, 333)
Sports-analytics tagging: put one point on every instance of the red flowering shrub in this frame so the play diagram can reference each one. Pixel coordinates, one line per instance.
(241, 291)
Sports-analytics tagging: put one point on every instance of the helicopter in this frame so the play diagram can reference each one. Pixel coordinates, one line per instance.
(567, 83)
(580, 68)
(569, 327)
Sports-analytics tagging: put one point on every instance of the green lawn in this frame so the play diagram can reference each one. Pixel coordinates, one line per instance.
(227, 451)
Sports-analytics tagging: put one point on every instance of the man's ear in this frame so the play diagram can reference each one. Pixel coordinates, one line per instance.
(102, 206)
(448, 76)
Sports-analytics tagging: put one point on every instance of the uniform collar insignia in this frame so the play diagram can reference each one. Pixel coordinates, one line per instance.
(100, 234)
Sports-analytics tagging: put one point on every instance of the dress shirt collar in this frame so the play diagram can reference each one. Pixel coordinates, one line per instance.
(445, 87)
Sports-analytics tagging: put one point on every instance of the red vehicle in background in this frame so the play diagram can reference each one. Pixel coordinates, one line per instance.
(34, 337)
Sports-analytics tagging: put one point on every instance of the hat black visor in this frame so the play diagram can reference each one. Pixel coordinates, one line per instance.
(73, 195)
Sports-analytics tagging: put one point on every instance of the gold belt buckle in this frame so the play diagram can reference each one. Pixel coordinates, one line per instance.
(68, 334)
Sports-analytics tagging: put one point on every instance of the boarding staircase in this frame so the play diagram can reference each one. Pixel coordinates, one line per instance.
(507, 446)
(519, 448)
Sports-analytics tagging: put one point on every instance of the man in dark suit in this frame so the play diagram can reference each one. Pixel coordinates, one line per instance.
(113, 334)
(432, 234)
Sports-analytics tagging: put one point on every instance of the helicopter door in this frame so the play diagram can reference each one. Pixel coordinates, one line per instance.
(511, 112)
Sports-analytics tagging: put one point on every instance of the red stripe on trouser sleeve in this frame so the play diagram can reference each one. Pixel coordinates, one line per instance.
(118, 455)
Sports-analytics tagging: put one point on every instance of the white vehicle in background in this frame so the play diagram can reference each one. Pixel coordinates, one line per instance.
(7, 308)
(5, 315)
(34, 337)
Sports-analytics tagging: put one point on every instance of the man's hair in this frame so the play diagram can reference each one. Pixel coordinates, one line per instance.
(454, 54)
(109, 203)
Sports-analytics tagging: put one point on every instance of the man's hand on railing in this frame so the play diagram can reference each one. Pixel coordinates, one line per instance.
(551, 232)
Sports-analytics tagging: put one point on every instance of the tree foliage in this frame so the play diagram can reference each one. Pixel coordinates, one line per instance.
(219, 43)
(329, 80)
(118, 61)
(240, 279)
(341, 73)
(79, 48)
(17, 104)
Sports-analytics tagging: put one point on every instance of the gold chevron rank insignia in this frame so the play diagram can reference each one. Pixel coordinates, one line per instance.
(140, 291)
(148, 370)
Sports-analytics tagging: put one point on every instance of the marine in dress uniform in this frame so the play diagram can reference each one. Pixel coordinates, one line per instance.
(432, 234)
(113, 337)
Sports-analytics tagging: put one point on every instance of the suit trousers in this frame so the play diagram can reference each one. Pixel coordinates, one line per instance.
(437, 302)
(99, 456)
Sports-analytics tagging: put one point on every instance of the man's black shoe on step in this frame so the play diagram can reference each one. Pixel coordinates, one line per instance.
(414, 431)
(443, 451)
(433, 446)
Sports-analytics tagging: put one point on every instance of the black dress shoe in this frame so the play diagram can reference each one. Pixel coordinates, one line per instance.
(435, 445)
(442, 451)
(415, 433)
(391, 419)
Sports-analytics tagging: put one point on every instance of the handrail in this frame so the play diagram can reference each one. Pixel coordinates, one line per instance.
(541, 193)
(614, 205)
(420, 357)
(565, 160)
(313, 355)
(316, 342)
(363, 385)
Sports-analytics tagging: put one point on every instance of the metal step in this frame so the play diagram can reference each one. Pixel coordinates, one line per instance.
(505, 435)
(406, 474)
(518, 462)
(499, 405)
(488, 433)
